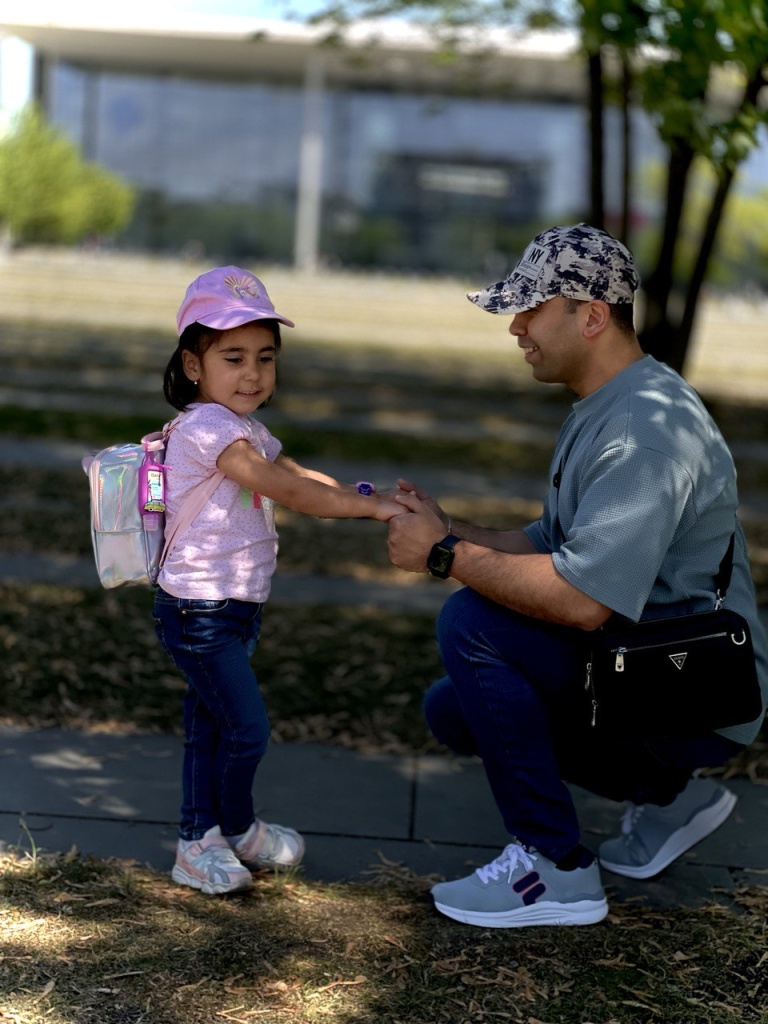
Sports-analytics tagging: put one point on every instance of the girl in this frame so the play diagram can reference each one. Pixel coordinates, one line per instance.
(215, 580)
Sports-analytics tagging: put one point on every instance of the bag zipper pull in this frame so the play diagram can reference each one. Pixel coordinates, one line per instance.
(619, 666)
(588, 686)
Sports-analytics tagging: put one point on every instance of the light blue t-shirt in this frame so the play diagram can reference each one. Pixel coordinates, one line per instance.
(643, 503)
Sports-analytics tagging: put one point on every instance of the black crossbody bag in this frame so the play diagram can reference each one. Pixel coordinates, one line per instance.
(675, 676)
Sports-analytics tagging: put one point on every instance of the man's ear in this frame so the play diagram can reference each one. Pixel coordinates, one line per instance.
(597, 317)
(192, 365)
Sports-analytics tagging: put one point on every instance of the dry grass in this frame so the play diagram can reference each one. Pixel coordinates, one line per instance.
(87, 942)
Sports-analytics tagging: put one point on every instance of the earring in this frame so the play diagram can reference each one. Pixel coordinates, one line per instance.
(195, 382)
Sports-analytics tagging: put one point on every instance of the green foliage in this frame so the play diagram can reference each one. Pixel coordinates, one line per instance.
(676, 49)
(695, 45)
(740, 257)
(49, 194)
(697, 69)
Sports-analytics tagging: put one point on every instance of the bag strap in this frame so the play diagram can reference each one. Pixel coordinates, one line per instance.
(196, 499)
(724, 572)
(190, 510)
(154, 442)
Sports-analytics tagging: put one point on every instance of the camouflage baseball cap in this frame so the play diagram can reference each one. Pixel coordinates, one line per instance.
(577, 262)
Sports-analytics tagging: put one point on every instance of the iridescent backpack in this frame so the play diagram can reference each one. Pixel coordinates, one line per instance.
(127, 486)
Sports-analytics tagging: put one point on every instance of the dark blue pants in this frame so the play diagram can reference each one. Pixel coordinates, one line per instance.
(514, 695)
(225, 720)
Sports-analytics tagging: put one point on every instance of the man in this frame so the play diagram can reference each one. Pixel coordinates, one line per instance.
(639, 513)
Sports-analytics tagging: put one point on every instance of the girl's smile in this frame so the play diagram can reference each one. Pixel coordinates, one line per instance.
(238, 371)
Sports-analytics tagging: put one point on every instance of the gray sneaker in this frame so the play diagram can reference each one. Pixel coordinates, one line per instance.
(652, 837)
(520, 888)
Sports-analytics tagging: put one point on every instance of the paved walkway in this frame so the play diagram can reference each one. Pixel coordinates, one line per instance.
(117, 796)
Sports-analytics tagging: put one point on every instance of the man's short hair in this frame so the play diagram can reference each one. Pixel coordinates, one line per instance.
(622, 313)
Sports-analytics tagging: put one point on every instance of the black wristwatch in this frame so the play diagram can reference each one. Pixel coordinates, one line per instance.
(441, 557)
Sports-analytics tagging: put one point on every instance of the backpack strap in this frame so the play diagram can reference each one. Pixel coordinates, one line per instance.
(154, 442)
(189, 511)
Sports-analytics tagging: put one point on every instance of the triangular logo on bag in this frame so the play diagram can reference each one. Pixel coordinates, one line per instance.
(678, 660)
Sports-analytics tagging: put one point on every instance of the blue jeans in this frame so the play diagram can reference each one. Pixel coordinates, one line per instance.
(514, 695)
(225, 720)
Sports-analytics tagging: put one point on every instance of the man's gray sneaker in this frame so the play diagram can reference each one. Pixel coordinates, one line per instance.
(520, 888)
(652, 837)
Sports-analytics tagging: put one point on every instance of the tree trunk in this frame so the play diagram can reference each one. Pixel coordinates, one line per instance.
(709, 234)
(681, 337)
(661, 337)
(596, 142)
(658, 328)
(626, 151)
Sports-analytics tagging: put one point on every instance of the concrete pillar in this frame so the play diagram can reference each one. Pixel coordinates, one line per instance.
(41, 70)
(309, 202)
(90, 129)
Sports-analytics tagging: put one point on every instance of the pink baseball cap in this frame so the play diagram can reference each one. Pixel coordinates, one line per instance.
(226, 297)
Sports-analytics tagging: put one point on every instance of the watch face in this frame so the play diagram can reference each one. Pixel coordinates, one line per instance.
(440, 560)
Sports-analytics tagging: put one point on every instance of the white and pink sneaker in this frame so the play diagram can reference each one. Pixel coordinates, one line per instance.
(208, 864)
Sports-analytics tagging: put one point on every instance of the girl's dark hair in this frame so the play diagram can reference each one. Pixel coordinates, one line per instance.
(178, 389)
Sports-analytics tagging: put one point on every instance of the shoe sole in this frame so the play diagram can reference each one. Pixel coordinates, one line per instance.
(583, 912)
(699, 827)
(209, 888)
(272, 865)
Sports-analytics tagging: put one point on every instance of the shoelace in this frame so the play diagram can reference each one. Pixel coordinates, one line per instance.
(506, 863)
(630, 817)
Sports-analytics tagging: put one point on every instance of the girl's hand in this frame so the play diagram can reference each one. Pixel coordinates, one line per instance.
(384, 510)
(388, 495)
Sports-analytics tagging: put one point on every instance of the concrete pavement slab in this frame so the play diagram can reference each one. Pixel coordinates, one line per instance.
(323, 789)
(743, 838)
(90, 775)
(454, 804)
(345, 859)
(149, 844)
(364, 815)
(316, 788)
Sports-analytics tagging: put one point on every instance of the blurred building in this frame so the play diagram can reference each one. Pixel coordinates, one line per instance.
(266, 141)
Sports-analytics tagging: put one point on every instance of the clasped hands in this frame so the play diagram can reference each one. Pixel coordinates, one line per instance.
(411, 536)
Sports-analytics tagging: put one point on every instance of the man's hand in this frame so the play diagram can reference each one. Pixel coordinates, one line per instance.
(406, 487)
(411, 537)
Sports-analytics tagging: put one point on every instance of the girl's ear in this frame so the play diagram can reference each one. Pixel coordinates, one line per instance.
(192, 365)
